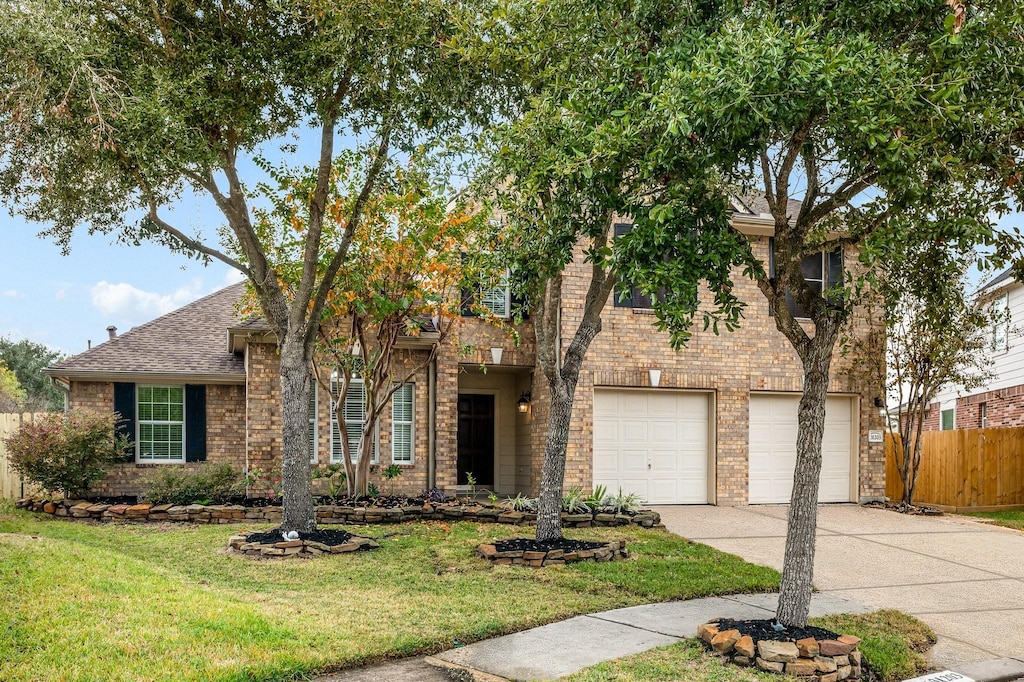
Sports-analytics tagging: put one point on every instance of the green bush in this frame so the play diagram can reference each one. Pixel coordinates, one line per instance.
(206, 484)
(66, 452)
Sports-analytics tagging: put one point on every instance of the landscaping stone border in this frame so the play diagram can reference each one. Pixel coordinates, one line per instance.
(611, 551)
(325, 514)
(825, 660)
(301, 549)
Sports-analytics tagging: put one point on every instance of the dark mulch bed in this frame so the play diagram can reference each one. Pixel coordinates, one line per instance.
(327, 537)
(913, 509)
(764, 629)
(529, 545)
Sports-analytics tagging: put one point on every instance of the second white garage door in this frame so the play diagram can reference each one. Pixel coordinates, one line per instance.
(773, 426)
(653, 443)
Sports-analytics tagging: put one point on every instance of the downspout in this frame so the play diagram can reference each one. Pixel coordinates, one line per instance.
(432, 424)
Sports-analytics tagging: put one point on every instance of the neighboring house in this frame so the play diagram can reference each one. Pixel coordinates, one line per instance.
(713, 423)
(1000, 402)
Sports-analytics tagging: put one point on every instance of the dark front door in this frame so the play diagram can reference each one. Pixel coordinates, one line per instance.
(476, 439)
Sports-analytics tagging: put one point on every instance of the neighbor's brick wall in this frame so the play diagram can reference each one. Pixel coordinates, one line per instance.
(1005, 407)
(225, 434)
(757, 357)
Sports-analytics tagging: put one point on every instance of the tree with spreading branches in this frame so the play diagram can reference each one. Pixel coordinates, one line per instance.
(111, 111)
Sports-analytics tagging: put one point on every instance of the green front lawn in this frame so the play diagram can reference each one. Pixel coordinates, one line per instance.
(892, 645)
(165, 602)
(1009, 519)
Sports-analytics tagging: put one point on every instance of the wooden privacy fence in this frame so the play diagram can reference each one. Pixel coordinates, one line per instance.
(10, 482)
(980, 469)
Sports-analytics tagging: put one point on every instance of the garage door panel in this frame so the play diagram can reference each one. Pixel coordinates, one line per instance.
(772, 453)
(658, 448)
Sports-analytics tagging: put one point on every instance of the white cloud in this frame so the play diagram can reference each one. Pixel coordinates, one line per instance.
(12, 293)
(232, 276)
(126, 302)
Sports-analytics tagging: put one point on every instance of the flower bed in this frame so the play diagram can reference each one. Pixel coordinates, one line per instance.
(325, 513)
(810, 653)
(528, 552)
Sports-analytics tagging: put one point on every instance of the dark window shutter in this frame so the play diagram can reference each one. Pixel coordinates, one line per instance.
(618, 295)
(124, 405)
(466, 293)
(195, 423)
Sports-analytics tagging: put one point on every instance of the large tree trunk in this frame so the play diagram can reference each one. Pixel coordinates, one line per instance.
(798, 565)
(549, 506)
(296, 484)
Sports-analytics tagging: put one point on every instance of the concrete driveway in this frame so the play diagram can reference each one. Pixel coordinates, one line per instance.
(963, 578)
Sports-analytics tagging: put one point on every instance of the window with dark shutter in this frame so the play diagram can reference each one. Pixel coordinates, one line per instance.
(195, 423)
(634, 299)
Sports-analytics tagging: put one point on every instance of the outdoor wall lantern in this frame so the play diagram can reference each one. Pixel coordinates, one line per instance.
(523, 405)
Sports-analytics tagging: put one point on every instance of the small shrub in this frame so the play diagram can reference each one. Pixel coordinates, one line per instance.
(269, 482)
(435, 495)
(574, 501)
(623, 502)
(207, 484)
(336, 479)
(596, 498)
(391, 473)
(521, 503)
(67, 453)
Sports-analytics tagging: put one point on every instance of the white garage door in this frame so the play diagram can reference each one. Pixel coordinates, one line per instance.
(653, 443)
(773, 426)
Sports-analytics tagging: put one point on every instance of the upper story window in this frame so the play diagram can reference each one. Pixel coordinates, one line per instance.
(1001, 323)
(625, 294)
(821, 271)
(161, 423)
(948, 419)
(499, 299)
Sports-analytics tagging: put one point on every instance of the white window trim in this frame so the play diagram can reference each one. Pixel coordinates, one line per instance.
(506, 290)
(983, 414)
(315, 418)
(336, 456)
(943, 411)
(139, 422)
(411, 423)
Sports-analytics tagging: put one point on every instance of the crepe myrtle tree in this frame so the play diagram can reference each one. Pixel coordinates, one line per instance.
(933, 333)
(565, 170)
(844, 116)
(403, 279)
(112, 111)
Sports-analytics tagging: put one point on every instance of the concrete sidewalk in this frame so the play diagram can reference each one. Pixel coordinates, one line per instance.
(961, 577)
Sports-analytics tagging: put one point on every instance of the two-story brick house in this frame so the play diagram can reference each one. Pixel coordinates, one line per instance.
(713, 423)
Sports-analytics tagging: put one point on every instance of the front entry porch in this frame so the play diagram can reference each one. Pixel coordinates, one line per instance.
(494, 434)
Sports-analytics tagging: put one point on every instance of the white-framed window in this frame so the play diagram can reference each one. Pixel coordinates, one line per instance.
(499, 299)
(1001, 325)
(402, 432)
(313, 426)
(160, 433)
(983, 415)
(948, 418)
(355, 418)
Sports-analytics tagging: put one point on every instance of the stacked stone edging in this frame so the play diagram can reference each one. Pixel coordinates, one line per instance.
(325, 513)
(611, 551)
(824, 660)
(301, 549)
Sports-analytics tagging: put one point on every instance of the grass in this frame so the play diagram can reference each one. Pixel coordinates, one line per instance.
(1007, 519)
(163, 602)
(892, 645)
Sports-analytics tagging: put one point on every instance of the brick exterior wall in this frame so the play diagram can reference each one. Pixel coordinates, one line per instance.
(225, 434)
(757, 357)
(265, 421)
(1004, 407)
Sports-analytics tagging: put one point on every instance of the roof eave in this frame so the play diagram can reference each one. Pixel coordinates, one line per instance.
(145, 377)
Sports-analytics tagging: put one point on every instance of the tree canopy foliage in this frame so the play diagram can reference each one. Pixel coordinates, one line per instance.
(27, 360)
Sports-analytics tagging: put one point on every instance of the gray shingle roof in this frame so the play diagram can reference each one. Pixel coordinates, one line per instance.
(190, 340)
(757, 204)
(999, 279)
